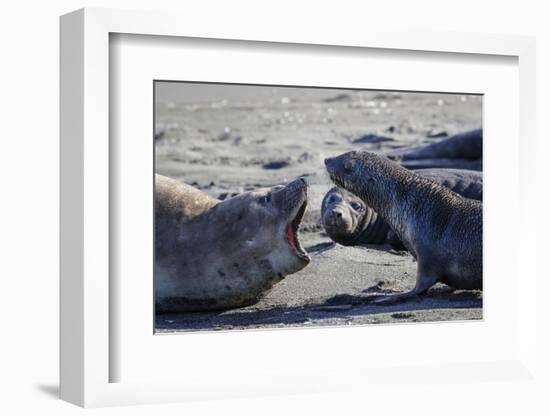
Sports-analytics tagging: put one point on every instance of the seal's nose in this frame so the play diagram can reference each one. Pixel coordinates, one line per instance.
(299, 184)
(336, 215)
(330, 164)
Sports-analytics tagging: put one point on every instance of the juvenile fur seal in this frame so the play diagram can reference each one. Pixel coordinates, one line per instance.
(213, 254)
(349, 221)
(440, 228)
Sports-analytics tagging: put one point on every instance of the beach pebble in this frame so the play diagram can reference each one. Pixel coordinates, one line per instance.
(372, 138)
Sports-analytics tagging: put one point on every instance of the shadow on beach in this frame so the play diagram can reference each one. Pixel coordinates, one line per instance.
(339, 310)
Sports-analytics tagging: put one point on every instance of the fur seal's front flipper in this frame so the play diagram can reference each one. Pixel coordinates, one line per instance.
(424, 281)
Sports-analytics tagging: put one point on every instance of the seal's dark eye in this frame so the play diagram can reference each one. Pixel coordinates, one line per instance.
(264, 200)
(356, 206)
(348, 166)
(332, 199)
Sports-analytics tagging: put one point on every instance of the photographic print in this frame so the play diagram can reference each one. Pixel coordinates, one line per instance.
(285, 207)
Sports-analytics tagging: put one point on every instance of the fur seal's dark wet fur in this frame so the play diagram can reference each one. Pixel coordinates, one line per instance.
(440, 228)
(349, 221)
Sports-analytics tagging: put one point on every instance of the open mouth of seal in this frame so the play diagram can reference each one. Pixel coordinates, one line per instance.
(292, 233)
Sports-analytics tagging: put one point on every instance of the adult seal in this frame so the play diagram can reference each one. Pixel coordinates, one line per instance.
(440, 228)
(213, 254)
(349, 221)
(461, 151)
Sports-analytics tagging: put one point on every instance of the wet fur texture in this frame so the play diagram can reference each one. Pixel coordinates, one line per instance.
(441, 229)
(349, 221)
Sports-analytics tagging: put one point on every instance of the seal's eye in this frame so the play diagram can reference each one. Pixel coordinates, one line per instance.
(332, 199)
(348, 166)
(264, 200)
(356, 206)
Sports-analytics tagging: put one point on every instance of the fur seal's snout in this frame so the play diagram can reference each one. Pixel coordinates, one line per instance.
(330, 163)
(342, 168)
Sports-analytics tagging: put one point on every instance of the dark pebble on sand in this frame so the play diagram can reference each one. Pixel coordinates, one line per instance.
(223, 137)
(402, 315)
(159, 134)
(336, 98)
(372, 138)
(276, 164)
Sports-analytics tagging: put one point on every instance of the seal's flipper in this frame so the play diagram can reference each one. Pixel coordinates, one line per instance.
(423, 283)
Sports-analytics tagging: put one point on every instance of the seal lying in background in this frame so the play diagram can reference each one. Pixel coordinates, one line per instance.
(440, 228)
(213, 254)
(461, 151)
(349, 221)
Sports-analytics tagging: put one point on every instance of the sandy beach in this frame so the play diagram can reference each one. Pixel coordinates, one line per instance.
(229, 139)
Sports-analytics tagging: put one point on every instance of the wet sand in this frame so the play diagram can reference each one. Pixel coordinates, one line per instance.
(232, 139)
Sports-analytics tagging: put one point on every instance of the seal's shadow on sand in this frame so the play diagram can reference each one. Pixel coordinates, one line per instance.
(334, 311)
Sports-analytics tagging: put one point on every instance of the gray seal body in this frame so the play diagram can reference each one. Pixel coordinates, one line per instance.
(349, 221)
(212, 254)
(441, 229)
(461, 151)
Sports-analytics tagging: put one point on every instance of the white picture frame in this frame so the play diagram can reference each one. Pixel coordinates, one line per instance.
(86, 334)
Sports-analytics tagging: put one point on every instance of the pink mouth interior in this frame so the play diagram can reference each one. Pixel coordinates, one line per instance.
(291, 236)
